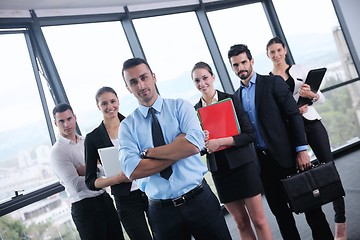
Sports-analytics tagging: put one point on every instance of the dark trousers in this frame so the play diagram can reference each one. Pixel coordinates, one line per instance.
(200, 217)
(96, 218)
(318, 140)
(132, 210)
(271, 174)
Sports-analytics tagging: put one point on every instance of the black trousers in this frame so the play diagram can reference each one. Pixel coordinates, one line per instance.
(96, 218)
(200, 217)
(132, 210)
(271, 174)
(318, 140)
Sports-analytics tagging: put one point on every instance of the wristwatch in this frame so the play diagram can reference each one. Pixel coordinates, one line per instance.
(143, 153)
(315, 98)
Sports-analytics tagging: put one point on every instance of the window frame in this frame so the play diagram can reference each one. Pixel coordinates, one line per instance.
(38, 50)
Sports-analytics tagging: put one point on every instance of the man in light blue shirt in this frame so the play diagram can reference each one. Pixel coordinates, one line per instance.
(182, 205)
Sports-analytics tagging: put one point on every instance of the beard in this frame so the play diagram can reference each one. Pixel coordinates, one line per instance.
(244, 76)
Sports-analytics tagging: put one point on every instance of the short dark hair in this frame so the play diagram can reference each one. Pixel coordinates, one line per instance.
(275, 40)
(203, 65)
(61, 107)
(132, 62)
(104, 90)
(238, 49)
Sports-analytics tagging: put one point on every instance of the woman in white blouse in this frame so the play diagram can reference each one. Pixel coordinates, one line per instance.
(316, 134)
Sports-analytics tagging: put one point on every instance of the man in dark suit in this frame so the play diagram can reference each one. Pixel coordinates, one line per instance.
(280, 139)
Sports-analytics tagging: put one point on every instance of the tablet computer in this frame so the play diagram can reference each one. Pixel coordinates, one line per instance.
(109, 157)
(313, 79)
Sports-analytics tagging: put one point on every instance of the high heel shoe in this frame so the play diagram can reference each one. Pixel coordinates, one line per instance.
(340, 231)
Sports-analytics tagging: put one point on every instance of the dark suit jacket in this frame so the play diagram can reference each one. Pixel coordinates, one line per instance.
(242, 152)
(278, 118)
(94, 140)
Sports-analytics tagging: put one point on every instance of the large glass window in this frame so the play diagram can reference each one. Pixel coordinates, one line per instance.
(340, 115)
(242, 25)
(25, 144)
(172, 45)
(45, 219)
(172, 53)
(317, 41)
(88, 57)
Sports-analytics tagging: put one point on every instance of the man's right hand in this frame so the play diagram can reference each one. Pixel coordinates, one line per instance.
(302, 160)
(81, 170)
(303, 109)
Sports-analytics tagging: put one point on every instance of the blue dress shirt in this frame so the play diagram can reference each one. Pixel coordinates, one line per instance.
(175, 116)
(248, 99)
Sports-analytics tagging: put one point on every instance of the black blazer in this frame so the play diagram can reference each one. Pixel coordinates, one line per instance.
(94, 140)
(243, 151)
(279, 120)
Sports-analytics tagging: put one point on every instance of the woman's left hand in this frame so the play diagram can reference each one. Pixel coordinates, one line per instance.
(120, 178)
(305, 91)
(212, 145)
(207, 134)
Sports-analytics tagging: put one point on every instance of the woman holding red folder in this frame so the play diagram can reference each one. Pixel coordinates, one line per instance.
(234, 169)
(316, 134)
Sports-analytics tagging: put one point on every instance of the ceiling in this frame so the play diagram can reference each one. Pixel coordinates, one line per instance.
(68, 4)
(20, 8)
(75, 4)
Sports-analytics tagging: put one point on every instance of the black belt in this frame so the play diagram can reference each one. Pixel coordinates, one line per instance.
(183, 199)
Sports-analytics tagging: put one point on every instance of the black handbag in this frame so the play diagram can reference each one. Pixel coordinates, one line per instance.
(312, 188)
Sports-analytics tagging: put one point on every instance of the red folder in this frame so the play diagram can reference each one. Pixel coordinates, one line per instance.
(220, 120)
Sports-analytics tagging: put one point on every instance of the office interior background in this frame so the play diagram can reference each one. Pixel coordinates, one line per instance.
(63, 51)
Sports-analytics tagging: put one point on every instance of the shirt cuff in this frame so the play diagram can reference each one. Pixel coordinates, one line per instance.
(301, 148)
(196, 137)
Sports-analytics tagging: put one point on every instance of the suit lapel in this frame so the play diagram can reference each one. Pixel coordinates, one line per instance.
(104, 137)
(221, 95)
(259, 85)
(198, 105)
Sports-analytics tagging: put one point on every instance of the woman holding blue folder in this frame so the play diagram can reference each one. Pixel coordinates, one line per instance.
(316, 134)
(234, 169)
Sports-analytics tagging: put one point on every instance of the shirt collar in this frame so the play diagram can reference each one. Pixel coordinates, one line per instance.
(213, 100)
(64, 140)
(144, 110)
(252, 81)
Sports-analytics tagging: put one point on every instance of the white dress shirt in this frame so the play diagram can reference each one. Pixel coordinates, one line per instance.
(65, 157)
